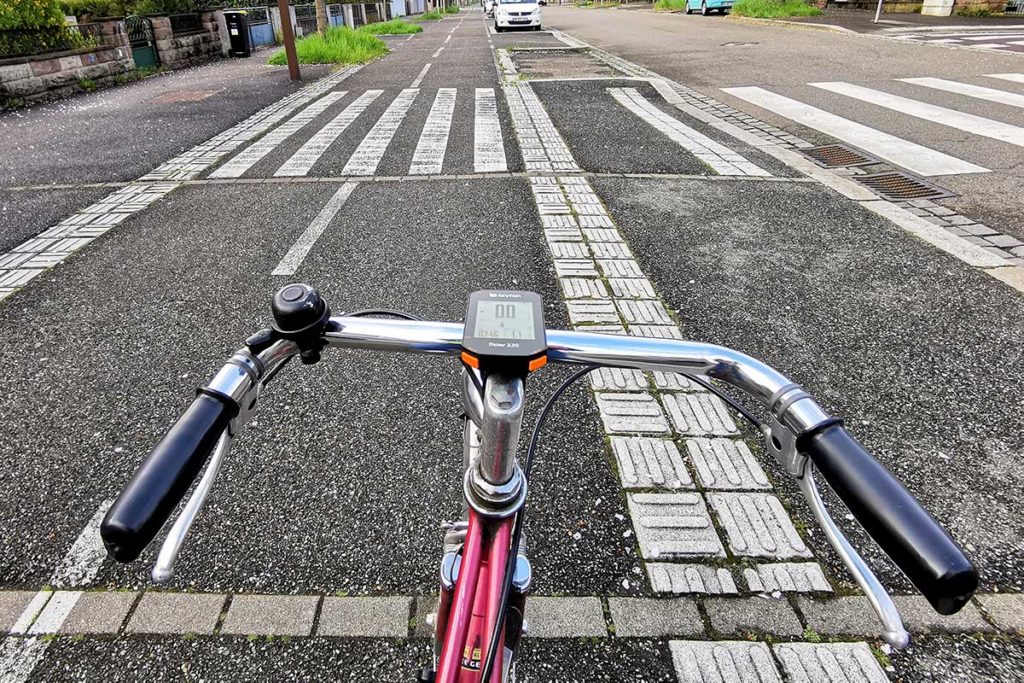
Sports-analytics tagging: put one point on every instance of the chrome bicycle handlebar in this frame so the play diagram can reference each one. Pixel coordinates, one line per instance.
(891, 515)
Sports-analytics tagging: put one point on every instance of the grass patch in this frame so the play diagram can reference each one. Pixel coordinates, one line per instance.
(670, 5)
(452, 9)
(341, 45)
(774, 9)
(391, 28)
(974, 11)
(432, 15)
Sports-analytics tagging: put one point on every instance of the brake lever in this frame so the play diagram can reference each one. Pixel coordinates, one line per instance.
(163, 570)
(271, 357)
(781, 444)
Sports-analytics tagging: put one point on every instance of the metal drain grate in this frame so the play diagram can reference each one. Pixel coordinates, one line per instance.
(834, 156)
(901, 187)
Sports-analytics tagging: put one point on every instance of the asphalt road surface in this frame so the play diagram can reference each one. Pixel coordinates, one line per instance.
(465, 160)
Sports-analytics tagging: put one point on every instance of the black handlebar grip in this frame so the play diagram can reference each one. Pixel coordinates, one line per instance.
(164, 477)
(911, 538)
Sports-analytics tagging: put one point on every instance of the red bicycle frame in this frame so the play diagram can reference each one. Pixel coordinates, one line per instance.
(474, 609)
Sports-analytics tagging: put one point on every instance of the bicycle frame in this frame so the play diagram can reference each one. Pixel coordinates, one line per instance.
(495, 489)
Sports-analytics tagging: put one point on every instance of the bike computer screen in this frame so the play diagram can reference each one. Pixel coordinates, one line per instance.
(503, 329)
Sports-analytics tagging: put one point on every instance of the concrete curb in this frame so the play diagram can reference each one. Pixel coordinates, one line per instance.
(133, 613)
(832, 28)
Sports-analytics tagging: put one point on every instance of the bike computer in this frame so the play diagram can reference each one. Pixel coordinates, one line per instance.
(504, 331)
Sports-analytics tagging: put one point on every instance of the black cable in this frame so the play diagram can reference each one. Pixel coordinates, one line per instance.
(517, 525)
(736, 405)
(382, 311)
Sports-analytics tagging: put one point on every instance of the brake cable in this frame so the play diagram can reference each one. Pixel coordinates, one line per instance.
(517, 526)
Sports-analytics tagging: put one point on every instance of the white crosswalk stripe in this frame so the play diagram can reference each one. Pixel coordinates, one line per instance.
(719, 157)
(947, 117)
(265, 145)
(488, 147)
(367, 157)
(1014, 78)
(433, 142)
(303, 160)
(910, 155)
(977, 91)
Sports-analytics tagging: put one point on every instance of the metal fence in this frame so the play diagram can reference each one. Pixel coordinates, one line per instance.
(185, 24)
(1014, 7)
(305, 19)
(261, 30)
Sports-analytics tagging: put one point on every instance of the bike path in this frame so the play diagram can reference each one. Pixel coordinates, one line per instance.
(194, 274)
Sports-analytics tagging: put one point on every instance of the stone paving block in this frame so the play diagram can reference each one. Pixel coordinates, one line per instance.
(565, 617)
(757, 525)
(631, 287)
(631, 413)
(849, 615)
(569, 250)
(372, 617)
(610, 250)
(1006, 610)
(99, 612)
(833, 662)
(12, 604)
(177, 613)
(673, 525)
(620, 268)
(650, 463)
(653, 618)
(723, 662)
(735, 616)
(643, 312)
(674, 381)
(690, 578)
(271, 615)
(592, 312)
(425, 604)
(699, 415)
(789, 577)
(726, 464)
(656, 331)
(575, 268)
(920, 617)
(583, 288)
(617, 379)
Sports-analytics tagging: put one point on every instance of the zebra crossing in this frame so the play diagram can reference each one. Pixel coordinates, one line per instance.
(316, 135)
(1001, 125)
(1008, 39)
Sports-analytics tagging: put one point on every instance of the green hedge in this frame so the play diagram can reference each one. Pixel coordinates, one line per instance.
(30, 14)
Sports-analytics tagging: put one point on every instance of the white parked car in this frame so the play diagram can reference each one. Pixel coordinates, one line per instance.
(517, 14)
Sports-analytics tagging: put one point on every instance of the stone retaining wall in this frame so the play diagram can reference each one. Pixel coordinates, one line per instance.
(59, 74)
(178, 51)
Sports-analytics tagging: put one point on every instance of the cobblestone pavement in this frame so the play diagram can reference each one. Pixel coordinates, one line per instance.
(665, 545)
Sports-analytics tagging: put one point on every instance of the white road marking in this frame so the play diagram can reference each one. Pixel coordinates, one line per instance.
(448, 37)
(419, 79)
(56, 611)
(297, 254)
(719, 157)
(488, 148)
(265, 145)
(83, 560)
(977, 91)
(47, 610)
(366, 158)
(437, 52)
(1014, 78)
(917, 158)
(303, 160)
(997, 36)
(433, 142)
(947, 117)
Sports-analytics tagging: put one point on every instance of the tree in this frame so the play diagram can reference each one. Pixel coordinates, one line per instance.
(321, 16)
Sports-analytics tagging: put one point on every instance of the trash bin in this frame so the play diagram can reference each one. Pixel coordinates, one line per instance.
(238, 32)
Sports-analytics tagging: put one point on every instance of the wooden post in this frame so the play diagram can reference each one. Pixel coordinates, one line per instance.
(288, 36)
